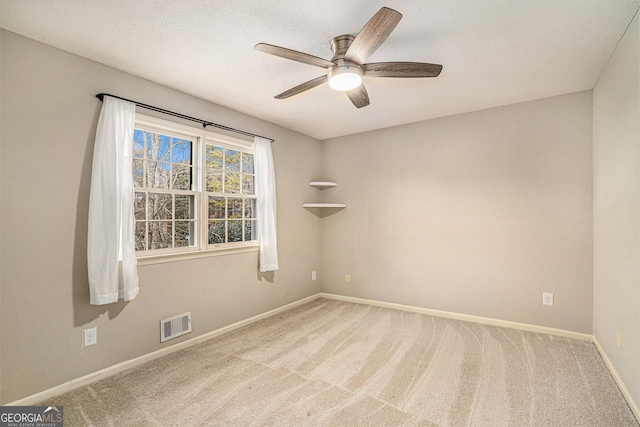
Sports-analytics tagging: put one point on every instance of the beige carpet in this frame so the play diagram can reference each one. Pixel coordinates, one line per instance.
(341, 364)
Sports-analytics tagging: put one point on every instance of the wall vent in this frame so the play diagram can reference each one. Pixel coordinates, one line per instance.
(175, 326)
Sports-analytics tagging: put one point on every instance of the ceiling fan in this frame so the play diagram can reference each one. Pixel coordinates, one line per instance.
(347, 67)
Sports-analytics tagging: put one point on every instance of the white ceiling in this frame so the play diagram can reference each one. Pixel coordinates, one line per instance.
(494, 52)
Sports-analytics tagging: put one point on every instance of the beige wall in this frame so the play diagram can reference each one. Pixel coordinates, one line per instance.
(477, 213)
(49, 114)
(616, 209)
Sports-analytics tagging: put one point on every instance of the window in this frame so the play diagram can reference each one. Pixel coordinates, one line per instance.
(194, 190)
(231, 198)
(165, 197)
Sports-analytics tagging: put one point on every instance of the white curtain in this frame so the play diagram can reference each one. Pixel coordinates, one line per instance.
(266, 204)
(111, 254)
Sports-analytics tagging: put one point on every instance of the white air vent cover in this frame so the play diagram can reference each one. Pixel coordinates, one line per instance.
(175, 326)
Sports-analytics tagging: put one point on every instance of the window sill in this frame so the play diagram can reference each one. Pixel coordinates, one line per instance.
(183, 256)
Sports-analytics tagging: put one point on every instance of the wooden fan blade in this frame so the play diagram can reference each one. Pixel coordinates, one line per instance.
(372, 35)
(401, 69)
(303, 87)
(359, 96)
(293, 55)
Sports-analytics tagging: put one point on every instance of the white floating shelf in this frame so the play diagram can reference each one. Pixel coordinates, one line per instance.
(323, 184)
(324, 205)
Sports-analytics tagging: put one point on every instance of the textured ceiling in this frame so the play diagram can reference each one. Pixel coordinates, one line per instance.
(494, 52)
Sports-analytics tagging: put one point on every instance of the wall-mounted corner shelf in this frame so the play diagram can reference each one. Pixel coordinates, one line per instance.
(321, 185)
(326, 209)
(324, 205)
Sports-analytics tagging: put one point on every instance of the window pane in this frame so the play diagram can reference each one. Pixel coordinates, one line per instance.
(183, 233)
(214, 180)
(184, 207)
(247, 163)
(148, 139)
(163, 149)
(160, 234)
(247, 185)
(249, 208)
(158, 146)
(138, 144)
(234, 208)
(232, 182)
(249, 230)
(181, 151)
(138, 173)
(216, 207)
(232, 161)
(141, 232)
(139, 204)
(151, 144)
(235, 231)
(216, 232)
(214, 157)
(181, 177)
(158, 174)
(160, 206)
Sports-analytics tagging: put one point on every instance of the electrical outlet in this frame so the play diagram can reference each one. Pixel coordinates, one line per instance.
(619, 339)
(347, 278)
(313, 275)
(89, 337)
(547, 298)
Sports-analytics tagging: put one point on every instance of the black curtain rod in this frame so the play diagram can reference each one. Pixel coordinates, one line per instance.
(204, 123)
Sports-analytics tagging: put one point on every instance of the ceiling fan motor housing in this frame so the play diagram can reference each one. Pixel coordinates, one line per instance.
(340, 44)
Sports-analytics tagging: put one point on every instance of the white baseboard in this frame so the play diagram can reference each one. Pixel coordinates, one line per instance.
(114, 369)
(465, 317)
(111, 370)
(616, 376)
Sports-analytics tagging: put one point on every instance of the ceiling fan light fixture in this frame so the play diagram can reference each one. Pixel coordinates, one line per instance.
(345, 77)
(347, 66)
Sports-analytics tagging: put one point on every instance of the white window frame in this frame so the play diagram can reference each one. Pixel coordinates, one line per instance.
(200, 138)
